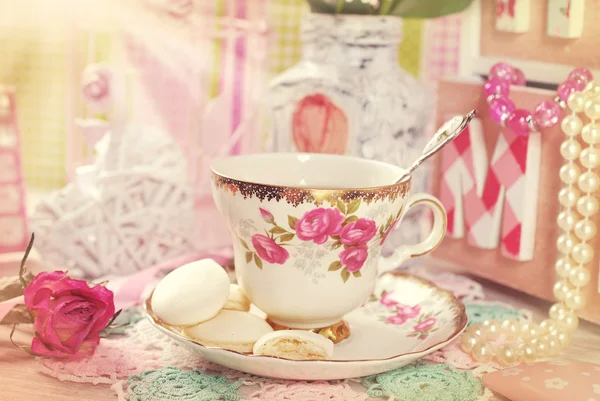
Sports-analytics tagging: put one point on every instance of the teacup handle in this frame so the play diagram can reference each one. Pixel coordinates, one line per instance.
(406, 252)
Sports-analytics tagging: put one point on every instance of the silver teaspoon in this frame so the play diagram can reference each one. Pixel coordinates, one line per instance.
(447, 132)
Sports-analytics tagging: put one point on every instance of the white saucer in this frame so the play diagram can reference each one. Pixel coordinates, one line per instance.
(374, 345)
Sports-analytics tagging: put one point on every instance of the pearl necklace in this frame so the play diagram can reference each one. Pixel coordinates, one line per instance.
(520, 121)
(513, 341)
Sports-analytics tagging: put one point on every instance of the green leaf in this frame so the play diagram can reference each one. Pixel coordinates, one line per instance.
(277, 230)
(357, 273)
(341, 206)
(258, 261)
(385, 6)
(335, 266)
(354, 205)
(292, 222)
(336, 245)
(335, 237)
(286, 237)
(389, 222)
(341, 7)
(322, 6)
(345, 275)
(248, 257)
(429, 8)
(244, 244)
(350, 219)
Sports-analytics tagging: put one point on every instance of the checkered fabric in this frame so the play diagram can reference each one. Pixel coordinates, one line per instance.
(13, 223)
(284, 18)
(495, 200)
(35, 60)
(442, 44)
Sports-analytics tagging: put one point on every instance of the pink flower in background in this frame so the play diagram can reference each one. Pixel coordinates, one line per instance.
(358, 232)
(266, 215)
(319, 126)
(95, 87)
(68, 314)
(318, 224)
(354, 257)
(387, 300)
(268, 250)
(425, 324)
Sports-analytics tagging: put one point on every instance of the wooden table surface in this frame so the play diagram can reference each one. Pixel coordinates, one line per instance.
(19, 380)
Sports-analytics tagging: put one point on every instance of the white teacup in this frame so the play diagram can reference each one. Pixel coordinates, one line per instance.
(308, 230)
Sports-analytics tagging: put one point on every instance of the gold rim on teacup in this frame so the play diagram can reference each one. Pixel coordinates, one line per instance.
(297, 195)
(460, 321)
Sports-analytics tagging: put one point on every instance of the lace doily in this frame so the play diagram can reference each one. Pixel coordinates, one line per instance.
(480, 311)
(462, 287)
(175, 384)
(308, 391)
(136, 358)
(425, 382)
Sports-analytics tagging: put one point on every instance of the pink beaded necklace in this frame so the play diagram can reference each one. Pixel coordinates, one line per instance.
(520, 121)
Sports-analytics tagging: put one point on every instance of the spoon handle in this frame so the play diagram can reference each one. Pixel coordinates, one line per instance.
(446, 134)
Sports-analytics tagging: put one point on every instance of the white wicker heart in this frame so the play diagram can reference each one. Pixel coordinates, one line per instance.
(131, 208)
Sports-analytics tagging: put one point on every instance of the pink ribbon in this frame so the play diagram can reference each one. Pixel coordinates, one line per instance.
(130, 289)
(6, 306)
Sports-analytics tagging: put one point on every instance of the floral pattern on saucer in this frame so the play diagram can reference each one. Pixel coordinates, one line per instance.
(417, 314)
(336, 229)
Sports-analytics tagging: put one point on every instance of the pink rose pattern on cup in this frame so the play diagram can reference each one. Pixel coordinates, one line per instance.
(399, 314)
(268, 250)
(335, 228)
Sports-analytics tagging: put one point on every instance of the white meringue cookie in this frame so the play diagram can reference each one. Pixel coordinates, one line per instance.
(191, 294)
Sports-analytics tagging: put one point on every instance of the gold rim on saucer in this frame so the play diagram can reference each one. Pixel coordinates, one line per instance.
(460, 321)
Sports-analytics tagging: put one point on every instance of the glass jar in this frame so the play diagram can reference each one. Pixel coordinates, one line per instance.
(348, 95)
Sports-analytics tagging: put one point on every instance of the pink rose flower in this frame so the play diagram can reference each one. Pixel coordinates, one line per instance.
(68, 314)
(389, 231)
(425, 324)
(408, 311)
(358, 232)
(387, 300)
(266, 215)
(354, 257)
(95, 86)
(318, 224)
(268, 250)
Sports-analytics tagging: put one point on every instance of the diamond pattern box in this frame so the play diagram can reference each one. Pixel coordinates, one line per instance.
(501, 195)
